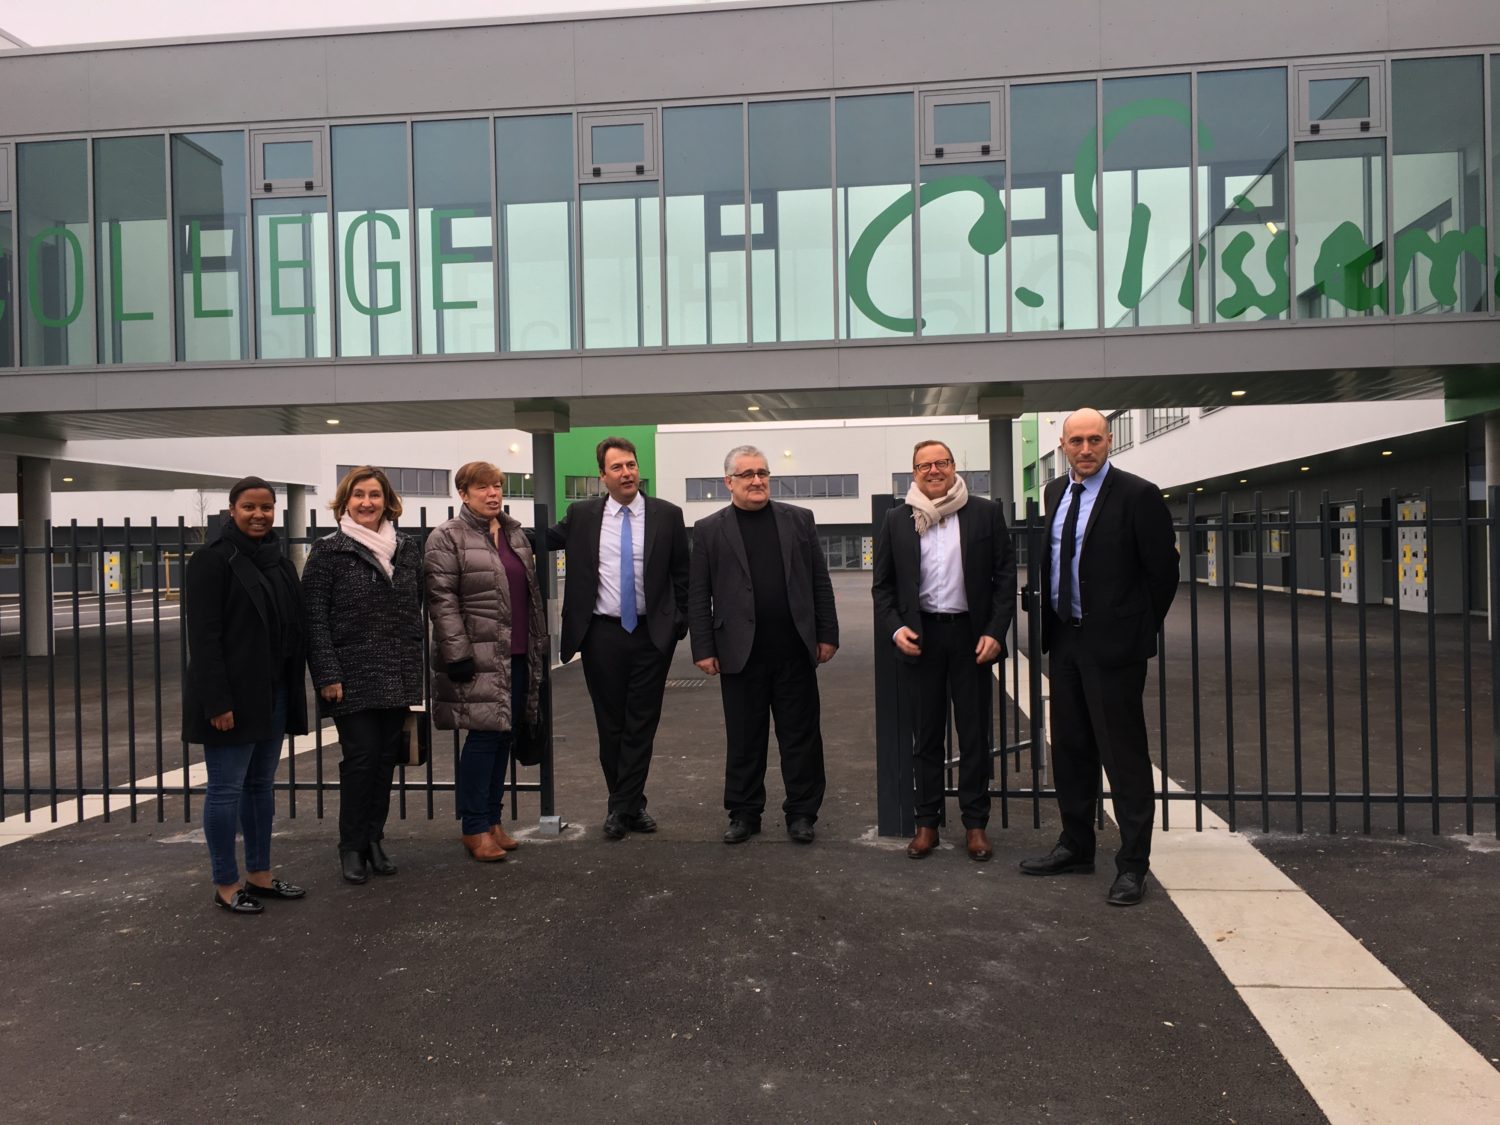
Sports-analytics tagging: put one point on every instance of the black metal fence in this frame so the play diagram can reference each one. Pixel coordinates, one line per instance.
(90, 716)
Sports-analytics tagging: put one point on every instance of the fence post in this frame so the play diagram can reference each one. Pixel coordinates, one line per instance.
(542, 559)
(894, 800)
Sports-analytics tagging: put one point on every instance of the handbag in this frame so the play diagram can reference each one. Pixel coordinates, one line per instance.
(528, 743)
(416, 738)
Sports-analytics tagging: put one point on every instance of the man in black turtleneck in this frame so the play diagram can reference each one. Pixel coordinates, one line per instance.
(761, 616)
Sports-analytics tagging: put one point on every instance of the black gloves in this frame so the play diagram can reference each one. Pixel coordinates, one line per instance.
(461, 671)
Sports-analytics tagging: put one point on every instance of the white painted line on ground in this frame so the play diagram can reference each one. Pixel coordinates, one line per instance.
(1367, 1049)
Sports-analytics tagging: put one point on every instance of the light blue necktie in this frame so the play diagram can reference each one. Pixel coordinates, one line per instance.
(627, 574)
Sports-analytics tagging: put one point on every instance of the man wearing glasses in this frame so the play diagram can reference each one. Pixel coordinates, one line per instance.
(945, 595)
(761, 617)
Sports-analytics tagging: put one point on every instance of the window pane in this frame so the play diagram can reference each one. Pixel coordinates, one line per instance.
(293, 318)
(703, 166)
(1333, 99)
(287, 160)
(1242, 162)
(966, 123)
(371, 202)
(7, 298)
(963, 285)
(792, 248)
(875, 166)
(57, 273)
(1340, 209)
(131, 247)
(209, 213)
(1054, 257)
(621, 225)
(456, 295)
(1147, 201)
(1437, 138)
(535, 156)
(618, 144)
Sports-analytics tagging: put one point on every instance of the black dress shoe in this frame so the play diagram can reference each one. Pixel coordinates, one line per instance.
(380, 863)
(239, 903)
(739, 831)
(615, 826)
(641, 822)
(800, 829)
(277, 889)
(353, 867)
(1060, 860)
(1128, 888)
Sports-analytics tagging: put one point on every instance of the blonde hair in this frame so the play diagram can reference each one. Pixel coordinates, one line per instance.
(340, 501)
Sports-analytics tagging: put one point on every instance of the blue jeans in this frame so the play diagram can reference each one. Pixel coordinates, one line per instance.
(481, 779)
(239, 792)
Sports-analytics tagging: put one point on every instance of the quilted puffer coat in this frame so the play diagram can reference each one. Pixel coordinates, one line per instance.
(468, 600)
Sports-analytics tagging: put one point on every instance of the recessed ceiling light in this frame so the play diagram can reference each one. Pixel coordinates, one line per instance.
(1307, 468)
(1387, 452)
(1198, 489)
(332, 421)
(1165, 495)
(752, 408)
(1236, 394)
(786, 452)
(1244, 480)
(515, 447)
(67, 480)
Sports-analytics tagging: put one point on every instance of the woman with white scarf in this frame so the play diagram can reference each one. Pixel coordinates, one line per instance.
(363, 590)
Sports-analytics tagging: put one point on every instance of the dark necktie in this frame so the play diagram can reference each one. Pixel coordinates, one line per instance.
(1065, 552)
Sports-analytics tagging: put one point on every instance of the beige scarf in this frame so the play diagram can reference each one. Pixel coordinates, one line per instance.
(382, 543)
(925, 513)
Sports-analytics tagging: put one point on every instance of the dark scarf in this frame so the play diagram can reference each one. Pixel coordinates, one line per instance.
(286, 613)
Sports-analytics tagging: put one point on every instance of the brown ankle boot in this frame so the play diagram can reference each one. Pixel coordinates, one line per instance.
(503, 839)
(483, 847)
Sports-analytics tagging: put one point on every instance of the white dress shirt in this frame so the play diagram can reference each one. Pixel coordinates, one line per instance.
(608, 600)
(940, 587)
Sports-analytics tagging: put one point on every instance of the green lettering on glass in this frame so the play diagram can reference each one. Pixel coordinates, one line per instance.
(1340, 269)
(987, 236)
(1029, 297)
(117, 279)
(1086, 163)
(34, 281)
(195, 252)
(439, 257)
(1190, 277)
(1442, 277)
(392, 268)
(1246, 296)
(278, 263)
(1129, 293)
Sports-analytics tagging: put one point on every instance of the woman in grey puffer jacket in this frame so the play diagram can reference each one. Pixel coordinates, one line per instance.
(489, 644)
(362, 586)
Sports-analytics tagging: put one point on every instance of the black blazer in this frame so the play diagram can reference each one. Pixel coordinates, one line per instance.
(989, 563)
(1127, 568)
(721, 603)
(666, 577)
(232, 660)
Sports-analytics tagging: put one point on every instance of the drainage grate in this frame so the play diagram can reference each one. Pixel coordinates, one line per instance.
(696, 681)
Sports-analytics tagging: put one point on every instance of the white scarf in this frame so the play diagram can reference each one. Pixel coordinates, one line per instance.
(382, 543)
(925, 513)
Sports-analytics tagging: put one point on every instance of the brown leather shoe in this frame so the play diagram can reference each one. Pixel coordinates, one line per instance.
(979, 845)
(503, 839)
(483, 847)
(922, 843)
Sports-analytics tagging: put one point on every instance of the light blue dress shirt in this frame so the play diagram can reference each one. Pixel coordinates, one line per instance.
(1086, 498)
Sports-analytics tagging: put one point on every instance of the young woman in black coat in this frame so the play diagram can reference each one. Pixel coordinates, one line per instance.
(363, 588)
(243, 693)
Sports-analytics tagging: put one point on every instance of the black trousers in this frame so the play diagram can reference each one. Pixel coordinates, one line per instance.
(626, 675)
(370, 741)
(1098, 718)
(945, 670)
(784, 688)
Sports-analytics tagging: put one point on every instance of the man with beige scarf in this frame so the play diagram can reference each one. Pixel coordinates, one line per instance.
(945, 595)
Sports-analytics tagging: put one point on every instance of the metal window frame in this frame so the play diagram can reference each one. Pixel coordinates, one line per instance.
(316, 135)
(992, 148)
(1375, 124)
(649, 169)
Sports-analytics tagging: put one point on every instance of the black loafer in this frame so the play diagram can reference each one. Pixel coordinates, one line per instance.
(1128, 888)
(380, 863)
(240, 903)
(800, 829)
(641, 822)
(615, 826)
(1059, 861)
(739, 831)
(353, 868)
(277, 889)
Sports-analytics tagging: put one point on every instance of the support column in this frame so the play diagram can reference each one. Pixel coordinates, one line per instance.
(34, 493)
(296, 523)
(1492, 481)
(1001, 408)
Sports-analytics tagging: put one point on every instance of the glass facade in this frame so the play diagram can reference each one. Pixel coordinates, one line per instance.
(1210, 196)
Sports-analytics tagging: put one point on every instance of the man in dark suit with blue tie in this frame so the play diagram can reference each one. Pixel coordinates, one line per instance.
(625, 609)
(1108, 576)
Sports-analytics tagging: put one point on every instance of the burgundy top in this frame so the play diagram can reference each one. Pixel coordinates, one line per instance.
(520, 596)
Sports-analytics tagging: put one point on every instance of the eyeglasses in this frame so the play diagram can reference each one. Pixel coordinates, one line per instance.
(923, 466)
(752, 474)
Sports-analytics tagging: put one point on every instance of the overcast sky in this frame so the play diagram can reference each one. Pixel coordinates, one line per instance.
(43, 23)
